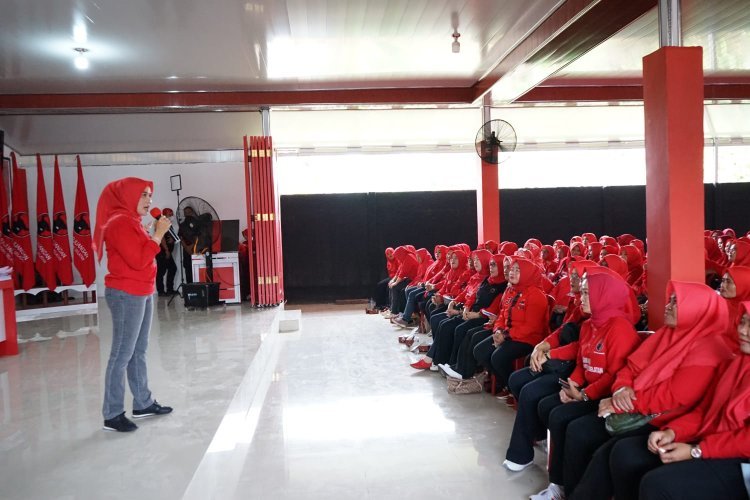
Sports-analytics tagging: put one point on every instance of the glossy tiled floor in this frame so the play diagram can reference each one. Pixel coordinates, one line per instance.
(330, 412)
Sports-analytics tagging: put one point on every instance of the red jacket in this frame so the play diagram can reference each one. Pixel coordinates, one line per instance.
(714, 423)
(131, 257)
(602, 353)
(527, 319)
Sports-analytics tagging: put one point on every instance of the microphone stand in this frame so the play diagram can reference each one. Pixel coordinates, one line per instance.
(178, 290)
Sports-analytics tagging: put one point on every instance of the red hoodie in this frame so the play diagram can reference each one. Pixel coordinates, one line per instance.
(131, 252)
(524, 309)
(408, 266)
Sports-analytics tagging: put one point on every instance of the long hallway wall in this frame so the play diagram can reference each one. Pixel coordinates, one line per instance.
(333, 244)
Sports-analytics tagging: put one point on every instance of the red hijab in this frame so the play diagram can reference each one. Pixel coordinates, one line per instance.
(589, 237)
(742, 253)
(616, 263)
(530, 274)
(500, 278)
(730, 404)
(625, 239)
(701, 314)
(741, 277)
(491, 245)
(508, 248)
(595, 249)
(609, 297)
(633, 309)
(581, 248)
(118, 199)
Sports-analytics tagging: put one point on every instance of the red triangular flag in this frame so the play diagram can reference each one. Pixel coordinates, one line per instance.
(83, 256)
(6, 238)
(45, 262)
(63, 263)
(23, 260)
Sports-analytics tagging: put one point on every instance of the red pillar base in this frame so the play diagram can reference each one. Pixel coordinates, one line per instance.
(673, 107)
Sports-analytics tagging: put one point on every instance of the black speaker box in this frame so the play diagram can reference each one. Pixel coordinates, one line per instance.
(200, 294)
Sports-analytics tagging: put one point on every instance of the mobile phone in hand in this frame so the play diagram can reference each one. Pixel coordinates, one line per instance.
(564, 383)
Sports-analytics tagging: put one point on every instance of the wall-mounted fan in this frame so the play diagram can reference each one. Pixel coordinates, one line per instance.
(495, 141)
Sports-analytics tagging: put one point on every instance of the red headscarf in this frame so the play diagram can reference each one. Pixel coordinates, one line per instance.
(118, 199)
(632, 308)
(640, 246)
(491, 245)
(742, 253)
(714, 252)
(533, 241)
(609, 297)
(595, 249)
(741, 277)
(508, 248)
(729, 232)
(634, 259)
(730, 404)
(625, 239)
(500, 278)
(608, 240)
(425, 262)
(530, 274)
(390, 262)
(616, 263)
(700, 314)
(581, 248)
(589, 237)
(575, 239)
(611, 249)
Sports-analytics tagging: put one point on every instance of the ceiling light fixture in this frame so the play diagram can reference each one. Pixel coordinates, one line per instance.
(456, 46)
(81, 61)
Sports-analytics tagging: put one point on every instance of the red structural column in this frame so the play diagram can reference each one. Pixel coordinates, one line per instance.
(488, 204)
(673, 107)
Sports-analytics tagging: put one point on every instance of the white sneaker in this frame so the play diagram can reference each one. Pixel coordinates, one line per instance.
(451, 372)
(551, 492)
(514, 467)
(433, 368)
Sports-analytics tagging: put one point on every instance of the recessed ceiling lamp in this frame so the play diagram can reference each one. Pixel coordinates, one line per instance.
(81, 62)
(456, 46)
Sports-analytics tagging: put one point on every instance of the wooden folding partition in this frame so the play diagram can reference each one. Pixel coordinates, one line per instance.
(264, 230)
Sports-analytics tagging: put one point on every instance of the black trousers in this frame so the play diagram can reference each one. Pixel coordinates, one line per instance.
(460, 333)
(499, 360)
(466, 363)
(381, 293)
(165, 265)
(634, 468)
(398, 299)
(557, 417)
(695, 480)
(187, 265)
(529, 388)
(587, 463)
(444, 337)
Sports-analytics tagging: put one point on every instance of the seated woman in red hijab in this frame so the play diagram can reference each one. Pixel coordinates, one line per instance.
(380, 301)
(666, 376)
(408, 268)
(522, 323)
(425, 262)
(735, 288)
(634, 260)
(701, 454)
(606, 339)
(454, 282)
(738, 253)
(479, 293)
(552, 359)
(416, 296)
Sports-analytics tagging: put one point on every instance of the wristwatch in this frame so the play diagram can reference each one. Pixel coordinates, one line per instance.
(584, 395)
(695, 451)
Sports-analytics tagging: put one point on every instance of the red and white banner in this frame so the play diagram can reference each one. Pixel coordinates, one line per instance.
(23, 260)
(60, 239)
(6, 238)
(83, 255)
(45, 261)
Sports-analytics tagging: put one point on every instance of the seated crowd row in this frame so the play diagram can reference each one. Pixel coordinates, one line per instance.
(559, 331)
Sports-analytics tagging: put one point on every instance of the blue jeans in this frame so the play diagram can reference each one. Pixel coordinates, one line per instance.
(412, 295)
(131, 323)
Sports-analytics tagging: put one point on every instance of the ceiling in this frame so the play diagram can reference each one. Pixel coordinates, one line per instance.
(160, 69)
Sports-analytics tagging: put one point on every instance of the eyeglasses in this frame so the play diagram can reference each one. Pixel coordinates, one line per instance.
(726, 280)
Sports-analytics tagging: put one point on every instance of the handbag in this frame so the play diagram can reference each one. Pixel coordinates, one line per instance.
(620, 423)
(561, 367)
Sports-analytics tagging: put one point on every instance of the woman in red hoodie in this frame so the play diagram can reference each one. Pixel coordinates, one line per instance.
(130, 281)
(666, 376)
(705, 451)
(408, 267)
(605, 341)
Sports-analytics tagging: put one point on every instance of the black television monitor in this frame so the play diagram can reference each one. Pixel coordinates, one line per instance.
(230, 235)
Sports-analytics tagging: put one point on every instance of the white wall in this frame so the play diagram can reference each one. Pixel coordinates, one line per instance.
(220, 183)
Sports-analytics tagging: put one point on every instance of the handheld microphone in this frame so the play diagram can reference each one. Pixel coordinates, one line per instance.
(156, 214)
